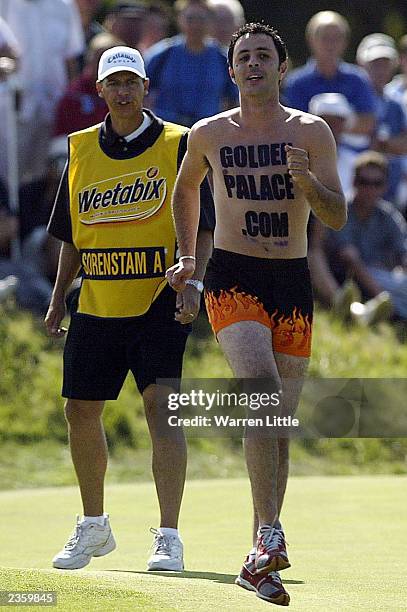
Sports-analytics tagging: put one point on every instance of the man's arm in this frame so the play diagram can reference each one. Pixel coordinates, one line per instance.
(185, 205)
(357, 269)
(189, 300)
(314, 171)
(68, 267)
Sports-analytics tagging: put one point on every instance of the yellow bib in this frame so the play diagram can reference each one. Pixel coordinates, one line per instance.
(121, 222)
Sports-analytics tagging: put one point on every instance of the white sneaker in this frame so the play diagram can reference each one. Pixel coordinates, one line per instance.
(348, 293)
(167, 553)
(379, 308)
(87, 540)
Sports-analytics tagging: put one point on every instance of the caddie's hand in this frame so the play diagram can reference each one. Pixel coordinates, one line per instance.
(56, 313)
(188, 304)
(298, 166)
(179, 273)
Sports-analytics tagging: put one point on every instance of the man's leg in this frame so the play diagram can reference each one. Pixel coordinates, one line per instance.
(89, 451)
(169, 454)
(92, 536)
(169, 466)
(261, 451)
(292, 372)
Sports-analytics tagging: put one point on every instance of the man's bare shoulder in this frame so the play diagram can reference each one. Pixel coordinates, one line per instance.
(305, 121)
(212, 125)
(302, 118)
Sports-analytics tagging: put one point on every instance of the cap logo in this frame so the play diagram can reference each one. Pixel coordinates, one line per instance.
(120, 56)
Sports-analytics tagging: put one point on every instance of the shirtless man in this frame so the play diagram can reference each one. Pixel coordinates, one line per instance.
(271, 165)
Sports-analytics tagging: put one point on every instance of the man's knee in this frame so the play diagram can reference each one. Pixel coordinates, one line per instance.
(82, 412)
(156, 401)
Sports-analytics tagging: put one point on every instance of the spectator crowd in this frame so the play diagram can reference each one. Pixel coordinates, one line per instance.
(49, 53)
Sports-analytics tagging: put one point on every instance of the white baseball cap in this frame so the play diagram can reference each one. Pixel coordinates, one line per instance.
(330, 104)
(117, 59)
(375, 46)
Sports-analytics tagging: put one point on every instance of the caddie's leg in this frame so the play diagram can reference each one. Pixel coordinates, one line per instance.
(169, 454)
(89, 451)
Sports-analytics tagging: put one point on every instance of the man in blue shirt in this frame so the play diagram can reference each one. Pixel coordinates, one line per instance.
(377, 54)
(327, 35)
(189, 78)
(372, 247)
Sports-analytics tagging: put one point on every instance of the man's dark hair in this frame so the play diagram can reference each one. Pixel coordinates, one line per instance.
(258, 28)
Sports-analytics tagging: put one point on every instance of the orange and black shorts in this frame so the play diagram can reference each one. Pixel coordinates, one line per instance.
(275, 292)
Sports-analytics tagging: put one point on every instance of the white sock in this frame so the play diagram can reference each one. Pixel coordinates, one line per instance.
(99, 520)
(263, 527)
(169, 531)
(252, 553)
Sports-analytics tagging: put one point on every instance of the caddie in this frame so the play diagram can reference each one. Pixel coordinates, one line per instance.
(113, 216)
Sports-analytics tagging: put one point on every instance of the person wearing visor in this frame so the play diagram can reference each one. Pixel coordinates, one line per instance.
(113, 216)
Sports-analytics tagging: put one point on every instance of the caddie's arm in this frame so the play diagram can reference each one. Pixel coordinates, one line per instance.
(185, 206)
(68, 268)
(315, 172)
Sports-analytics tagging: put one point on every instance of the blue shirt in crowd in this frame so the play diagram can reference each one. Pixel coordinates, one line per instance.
(381, 239)
(391, 121)
(303, 83)
(188, 86)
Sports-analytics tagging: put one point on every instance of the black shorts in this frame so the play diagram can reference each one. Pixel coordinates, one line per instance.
(99, 352)
(275, 292)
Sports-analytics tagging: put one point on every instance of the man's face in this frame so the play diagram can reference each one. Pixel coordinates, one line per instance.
(256, 67)
(195, 22)
(328, 42)
(223, 24)
(370, 185)
(123, 93)
(129, 28)
(380, 71)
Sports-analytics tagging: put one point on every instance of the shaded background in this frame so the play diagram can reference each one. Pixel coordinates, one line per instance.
(364, 16)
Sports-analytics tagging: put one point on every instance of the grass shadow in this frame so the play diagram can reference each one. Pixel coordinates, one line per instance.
(212, 576)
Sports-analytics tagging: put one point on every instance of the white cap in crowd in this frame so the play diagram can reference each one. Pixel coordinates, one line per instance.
(117, 59)
(376, 46)
(331, 104)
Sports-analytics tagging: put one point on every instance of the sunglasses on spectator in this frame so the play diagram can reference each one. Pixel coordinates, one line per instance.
(195, 17)
(360, 180)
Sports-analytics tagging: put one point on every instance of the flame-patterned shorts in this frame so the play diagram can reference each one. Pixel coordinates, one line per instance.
(275, 292)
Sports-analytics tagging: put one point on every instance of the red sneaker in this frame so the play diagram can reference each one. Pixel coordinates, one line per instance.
(271, 553)
(268, 587)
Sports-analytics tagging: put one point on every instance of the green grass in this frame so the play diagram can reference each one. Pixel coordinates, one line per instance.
(348, 537)
(33, 431)
(47, 464)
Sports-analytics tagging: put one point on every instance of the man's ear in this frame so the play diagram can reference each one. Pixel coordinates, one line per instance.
(146, 86)
(99, 90)
(283, 70)
(232, 74)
